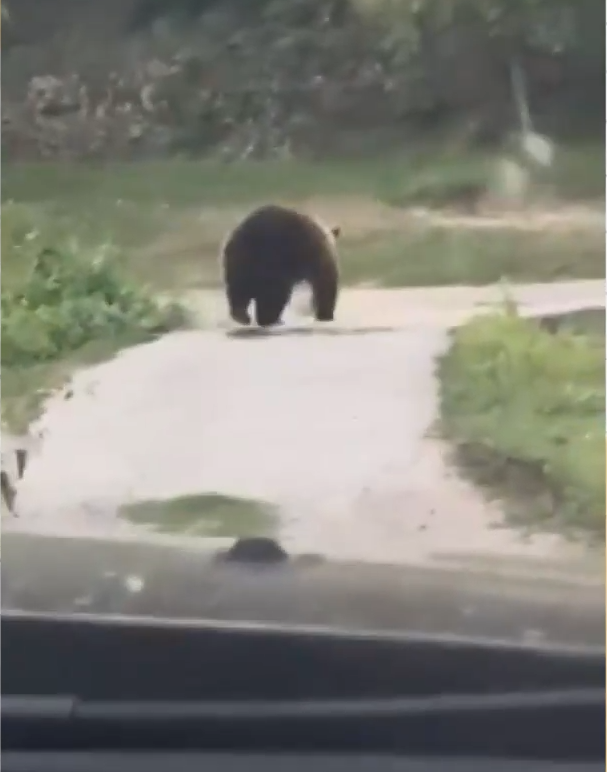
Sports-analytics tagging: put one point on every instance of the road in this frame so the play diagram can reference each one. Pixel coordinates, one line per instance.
(330, 423)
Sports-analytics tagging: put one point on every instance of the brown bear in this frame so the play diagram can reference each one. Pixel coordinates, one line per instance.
(271, 251)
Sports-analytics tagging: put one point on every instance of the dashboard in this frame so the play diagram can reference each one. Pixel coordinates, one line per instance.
(104, 693)
(191, 762)
(336, 667)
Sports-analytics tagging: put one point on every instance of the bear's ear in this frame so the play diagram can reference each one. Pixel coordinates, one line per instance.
(336, 231)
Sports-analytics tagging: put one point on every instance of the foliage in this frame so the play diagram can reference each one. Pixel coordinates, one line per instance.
(526, 408)
(215, 78)
(61, 295)
(551, 25)
(170, 234)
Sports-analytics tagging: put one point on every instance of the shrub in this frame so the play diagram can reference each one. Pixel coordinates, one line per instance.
(58, 295)
(526, 408)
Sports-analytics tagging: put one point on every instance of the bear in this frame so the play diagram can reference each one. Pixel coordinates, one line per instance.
(273, 249)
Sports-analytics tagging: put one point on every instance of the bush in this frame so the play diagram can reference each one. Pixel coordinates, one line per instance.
(526, 409)
(58, 296)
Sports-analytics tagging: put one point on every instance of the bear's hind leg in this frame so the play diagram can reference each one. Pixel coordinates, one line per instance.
(269, 306)
(240, 315)
(239, 302)
(325, 288)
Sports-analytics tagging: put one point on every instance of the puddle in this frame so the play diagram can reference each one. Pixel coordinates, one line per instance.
(203, 515)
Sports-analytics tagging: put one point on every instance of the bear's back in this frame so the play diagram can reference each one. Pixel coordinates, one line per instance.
(275, 239)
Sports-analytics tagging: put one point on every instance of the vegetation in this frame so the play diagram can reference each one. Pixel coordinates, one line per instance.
(169, 234)
(307, 78)
(60, 299)
(525, 407)
(451, 254)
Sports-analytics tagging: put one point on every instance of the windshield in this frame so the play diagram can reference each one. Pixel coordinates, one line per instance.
(330, 274)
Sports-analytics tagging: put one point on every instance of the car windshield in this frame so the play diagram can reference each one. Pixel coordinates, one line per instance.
(323, 276)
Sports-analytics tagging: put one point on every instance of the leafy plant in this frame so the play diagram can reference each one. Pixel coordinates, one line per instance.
(67, 295)
(526, 409)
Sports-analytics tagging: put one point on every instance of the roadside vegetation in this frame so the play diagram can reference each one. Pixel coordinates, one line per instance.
(62, 302)
(524, 404)
(169, 218)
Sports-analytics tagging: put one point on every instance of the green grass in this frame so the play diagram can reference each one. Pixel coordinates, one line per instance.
(576, 173)
(185, 183)
(132, 203)
(432, 256)
(526, 410)
(64, 304)
(118, 188)
(170, 217)
(204, 515)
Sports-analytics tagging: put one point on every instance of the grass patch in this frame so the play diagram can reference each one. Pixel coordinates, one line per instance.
(106, 198)
(185, 183)
(437, 181)
(62, 304)
(204, 515)
(432, 256)
(526, 410)
(576, 175)
(169, 217)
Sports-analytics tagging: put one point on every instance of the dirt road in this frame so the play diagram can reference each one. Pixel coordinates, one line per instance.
(330, 423)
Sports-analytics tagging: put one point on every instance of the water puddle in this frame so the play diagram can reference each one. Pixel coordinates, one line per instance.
(203, 515)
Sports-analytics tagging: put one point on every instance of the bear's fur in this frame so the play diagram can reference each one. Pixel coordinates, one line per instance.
(271, 251)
